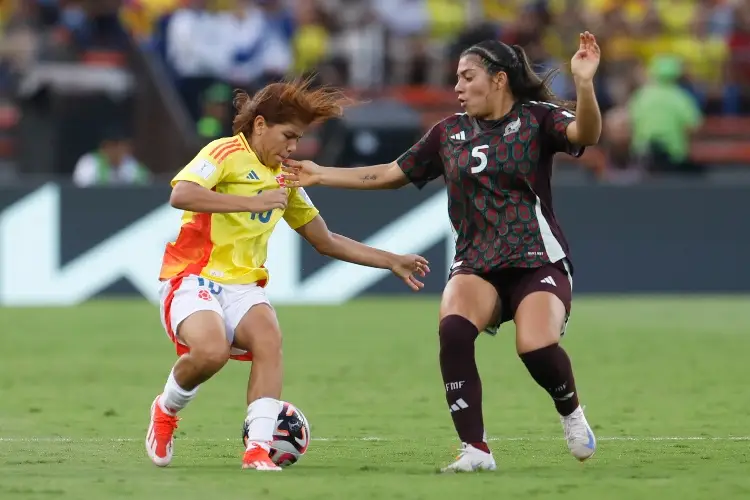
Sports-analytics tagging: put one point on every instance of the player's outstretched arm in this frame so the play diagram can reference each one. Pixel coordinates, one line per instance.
(190, 196)
(306, 173)
(406, 267)
(587, 127)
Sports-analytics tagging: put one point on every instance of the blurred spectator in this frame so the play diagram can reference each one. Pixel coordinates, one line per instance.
(246, 46)
(192, 49)
(447, 19)
(358, 43)
(97, 24)
(737, 96)
(705, 55)
(279, 18)
(216, 112)
(258, 43)
(142, 16)
(113, 163)
(19, 43)
(311, 39)
(663, 116)
(621, 166)
(405, 22)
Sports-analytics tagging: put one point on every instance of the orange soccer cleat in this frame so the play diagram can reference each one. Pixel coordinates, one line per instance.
(256, 457)
(160, 435)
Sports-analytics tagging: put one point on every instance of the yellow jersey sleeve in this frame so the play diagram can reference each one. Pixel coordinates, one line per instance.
(300, 209)
(208, 166)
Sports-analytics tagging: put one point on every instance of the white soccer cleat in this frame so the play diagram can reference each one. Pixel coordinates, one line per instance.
(471, 460)
(578, 434)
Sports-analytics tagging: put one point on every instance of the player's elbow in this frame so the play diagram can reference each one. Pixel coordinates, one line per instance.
(326, 244)
(182, 196)
(395, 178)
(586, 132)
(590, 138)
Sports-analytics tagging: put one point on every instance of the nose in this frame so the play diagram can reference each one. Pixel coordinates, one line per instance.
(458, 88)
(291, 146)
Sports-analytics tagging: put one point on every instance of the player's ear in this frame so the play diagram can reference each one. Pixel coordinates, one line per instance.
(259, 125)
(499, 80)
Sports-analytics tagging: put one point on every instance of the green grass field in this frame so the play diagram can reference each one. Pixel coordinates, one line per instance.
(664, 382)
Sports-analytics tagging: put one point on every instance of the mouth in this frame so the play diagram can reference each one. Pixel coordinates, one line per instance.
(462, 102)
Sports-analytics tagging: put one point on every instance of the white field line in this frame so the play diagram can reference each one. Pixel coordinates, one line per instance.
(644, 439)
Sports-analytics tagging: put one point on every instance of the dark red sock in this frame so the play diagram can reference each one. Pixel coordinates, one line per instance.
(463, 387)
(551, 369)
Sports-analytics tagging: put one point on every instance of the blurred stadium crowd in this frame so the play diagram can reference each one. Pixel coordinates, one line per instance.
(674, 81)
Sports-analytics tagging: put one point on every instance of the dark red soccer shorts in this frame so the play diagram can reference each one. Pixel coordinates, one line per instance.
(515, 283)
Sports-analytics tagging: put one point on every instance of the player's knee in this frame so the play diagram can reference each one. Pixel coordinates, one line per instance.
(457, 333)
(211, 357)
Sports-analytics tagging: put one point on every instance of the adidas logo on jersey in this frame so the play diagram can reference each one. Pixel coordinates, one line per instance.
(253, 176)
(549, 281)
(461, 136)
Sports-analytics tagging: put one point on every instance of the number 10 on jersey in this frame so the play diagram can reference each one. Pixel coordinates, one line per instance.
(478, 152)
(263, 217)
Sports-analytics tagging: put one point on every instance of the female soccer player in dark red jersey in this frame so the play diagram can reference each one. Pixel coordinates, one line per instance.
(512, 261)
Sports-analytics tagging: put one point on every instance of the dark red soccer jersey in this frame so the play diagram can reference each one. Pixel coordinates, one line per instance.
(498, 175)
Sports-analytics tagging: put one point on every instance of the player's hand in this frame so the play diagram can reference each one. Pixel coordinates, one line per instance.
(409, 268)
(586, 60)
(269, 200)
(301, 173)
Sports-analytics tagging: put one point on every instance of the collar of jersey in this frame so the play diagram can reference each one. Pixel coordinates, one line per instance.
(492, 125)
(246, 144)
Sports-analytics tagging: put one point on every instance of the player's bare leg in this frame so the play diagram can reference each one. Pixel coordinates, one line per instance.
(259, 333)
(203, 332)
(469, 304)
(539, 321)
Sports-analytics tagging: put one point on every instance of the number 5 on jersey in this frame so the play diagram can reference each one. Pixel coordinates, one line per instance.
(478, 153)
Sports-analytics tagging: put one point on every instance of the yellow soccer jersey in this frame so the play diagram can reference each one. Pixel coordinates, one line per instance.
(231, 248)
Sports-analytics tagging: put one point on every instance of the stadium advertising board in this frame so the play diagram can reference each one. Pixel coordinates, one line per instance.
(62, 246)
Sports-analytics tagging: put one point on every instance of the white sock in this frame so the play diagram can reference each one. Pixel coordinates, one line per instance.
(175, 398)
(261, 417)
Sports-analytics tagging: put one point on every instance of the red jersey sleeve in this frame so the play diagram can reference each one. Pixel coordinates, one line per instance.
(555, 127)
(422, 162)
(554, 122)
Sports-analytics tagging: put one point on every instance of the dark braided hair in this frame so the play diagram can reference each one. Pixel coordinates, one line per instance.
(525, 84)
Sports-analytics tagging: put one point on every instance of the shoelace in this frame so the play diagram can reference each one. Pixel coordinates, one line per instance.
(165, 425)
(576, 427)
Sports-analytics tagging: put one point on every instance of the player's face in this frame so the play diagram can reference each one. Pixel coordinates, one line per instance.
(279, 141)
(475, 85)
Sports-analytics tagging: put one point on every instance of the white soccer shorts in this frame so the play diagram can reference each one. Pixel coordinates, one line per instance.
(181, 297)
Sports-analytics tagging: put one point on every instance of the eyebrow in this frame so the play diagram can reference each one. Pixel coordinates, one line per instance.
(459, 73)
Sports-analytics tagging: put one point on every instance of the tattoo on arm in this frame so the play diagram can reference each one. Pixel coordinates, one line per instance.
(368, 177)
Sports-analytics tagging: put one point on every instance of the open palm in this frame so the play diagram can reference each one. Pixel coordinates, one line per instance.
(408, 268)
(586, 60)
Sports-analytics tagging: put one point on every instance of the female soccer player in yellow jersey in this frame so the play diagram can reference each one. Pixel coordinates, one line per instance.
(213, 304)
